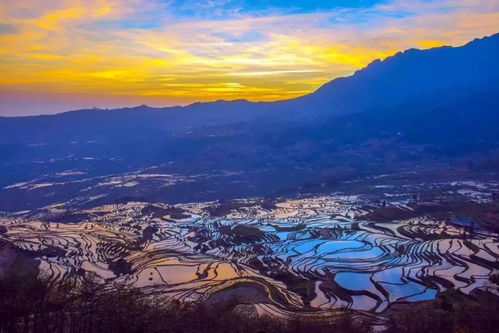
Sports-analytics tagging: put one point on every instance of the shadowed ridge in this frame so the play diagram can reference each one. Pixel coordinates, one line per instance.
(383, 83)
(406, 75)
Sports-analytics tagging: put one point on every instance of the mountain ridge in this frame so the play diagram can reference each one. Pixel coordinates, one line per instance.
(418, 71)
(375, 65)
(435, 108)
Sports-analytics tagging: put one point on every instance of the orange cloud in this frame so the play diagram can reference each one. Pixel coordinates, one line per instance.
(88, 47)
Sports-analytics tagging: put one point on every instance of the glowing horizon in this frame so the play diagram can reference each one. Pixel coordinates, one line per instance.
(71, 54)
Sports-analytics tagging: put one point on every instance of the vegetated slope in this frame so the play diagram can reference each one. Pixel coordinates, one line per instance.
(405, 77)
(419, 107)
(410, 76)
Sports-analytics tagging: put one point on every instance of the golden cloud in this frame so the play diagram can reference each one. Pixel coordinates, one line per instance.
(82, 47)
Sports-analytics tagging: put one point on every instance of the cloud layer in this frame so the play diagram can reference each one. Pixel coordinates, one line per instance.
(74, 53)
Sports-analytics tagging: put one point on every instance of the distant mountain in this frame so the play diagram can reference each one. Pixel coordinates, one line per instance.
(95, 124)
(416, 109)
(408, 76)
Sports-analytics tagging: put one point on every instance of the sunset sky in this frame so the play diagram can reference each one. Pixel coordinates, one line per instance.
(57, 55)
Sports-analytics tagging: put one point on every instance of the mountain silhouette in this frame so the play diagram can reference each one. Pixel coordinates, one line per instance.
(409, 75)
(417, 108)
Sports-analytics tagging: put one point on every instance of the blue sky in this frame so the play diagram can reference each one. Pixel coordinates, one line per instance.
(261, 7)
(68, 54)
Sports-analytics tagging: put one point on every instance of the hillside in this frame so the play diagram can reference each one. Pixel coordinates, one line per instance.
(418, 109)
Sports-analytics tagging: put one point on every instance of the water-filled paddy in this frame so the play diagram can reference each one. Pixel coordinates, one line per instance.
(307, 261)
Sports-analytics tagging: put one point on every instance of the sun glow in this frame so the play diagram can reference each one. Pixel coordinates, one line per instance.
(147, 51)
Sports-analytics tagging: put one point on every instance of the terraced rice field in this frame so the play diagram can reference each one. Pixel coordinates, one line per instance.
(300, 256)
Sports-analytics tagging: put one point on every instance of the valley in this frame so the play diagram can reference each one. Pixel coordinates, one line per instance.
(283, 256)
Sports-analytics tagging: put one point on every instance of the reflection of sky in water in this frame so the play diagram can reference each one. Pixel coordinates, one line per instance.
(307, 246)
(368, 259)
(354, 281)
(283, 235)
(398, 291)
(361, 302)
(339, 245)
(427, 295)
(368, 254)
(177, 274)
(365, 281)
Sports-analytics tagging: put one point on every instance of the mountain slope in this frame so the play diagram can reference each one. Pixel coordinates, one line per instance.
(417, 110)
(409, 75)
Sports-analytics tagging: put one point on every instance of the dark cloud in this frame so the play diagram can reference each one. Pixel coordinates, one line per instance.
(6, 29)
